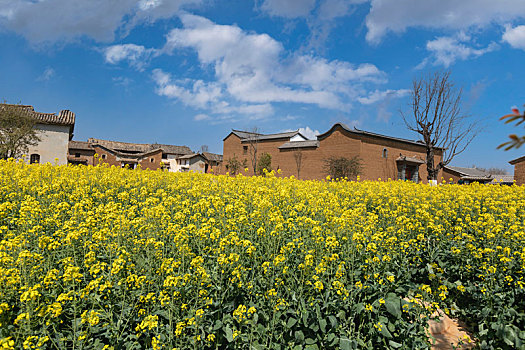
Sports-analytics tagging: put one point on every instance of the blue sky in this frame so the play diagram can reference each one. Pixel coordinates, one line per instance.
(186, 72)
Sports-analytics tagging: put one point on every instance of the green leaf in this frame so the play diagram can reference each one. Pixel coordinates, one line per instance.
(393, 305)
(311, 347)
(394, 344)
(309, 341)
(299, 335)
(345, 344)
(322, 324)
(333, 321)
(291, 322)
(384, 331)
(229, 334)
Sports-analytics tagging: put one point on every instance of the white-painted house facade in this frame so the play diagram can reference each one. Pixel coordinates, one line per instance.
(55, 132)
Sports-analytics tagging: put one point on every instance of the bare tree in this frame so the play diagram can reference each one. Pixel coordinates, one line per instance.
(341, 167)
(253, 143)
(436, 116)
(17, 130)
(299, 157)
(515, 140)
(203, 148)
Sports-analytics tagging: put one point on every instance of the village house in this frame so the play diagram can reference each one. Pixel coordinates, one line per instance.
(461, 175)
(55, 131)
(382, 157)
(148, 156)
(519, 170)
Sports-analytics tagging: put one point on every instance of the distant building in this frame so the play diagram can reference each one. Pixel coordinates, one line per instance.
(461, 175)
(148, 156)
(55, 131)
(382, 156)
(519, 170)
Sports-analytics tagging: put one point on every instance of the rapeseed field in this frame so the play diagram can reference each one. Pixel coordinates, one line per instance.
(108, 258)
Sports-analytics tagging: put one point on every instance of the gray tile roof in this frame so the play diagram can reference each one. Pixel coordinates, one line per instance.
(247, 136)
(64, 117)
(371, 134)
(408, 159)
(212, 156)
(80, 145)
(474, 172)
(502, 179)
(299, 144)
(140, 147)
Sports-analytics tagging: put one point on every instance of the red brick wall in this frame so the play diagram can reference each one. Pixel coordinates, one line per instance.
(519, 173)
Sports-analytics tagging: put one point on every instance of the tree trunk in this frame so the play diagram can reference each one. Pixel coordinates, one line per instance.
(431, 170)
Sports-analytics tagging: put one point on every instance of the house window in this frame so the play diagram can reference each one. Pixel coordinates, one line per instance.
(77, 155)
(244, 149)
(103, 156)
(385, 153)
(34, 158)
(152, 160)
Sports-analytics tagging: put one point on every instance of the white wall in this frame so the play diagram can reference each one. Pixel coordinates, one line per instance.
(54, 140)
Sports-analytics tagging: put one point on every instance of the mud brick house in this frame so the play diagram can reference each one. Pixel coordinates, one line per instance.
(54, 130)
(122, 154)
(80, 152)
(382, 156)
(466, 176)
(461, 175)
(519, 170)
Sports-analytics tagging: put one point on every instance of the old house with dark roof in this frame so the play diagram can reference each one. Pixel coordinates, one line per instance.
(461, 175)
(55, 132)
(519, 170)
(382, 156)
(125, 154)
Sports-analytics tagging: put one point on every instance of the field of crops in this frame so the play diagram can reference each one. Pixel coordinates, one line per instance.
(101, 258)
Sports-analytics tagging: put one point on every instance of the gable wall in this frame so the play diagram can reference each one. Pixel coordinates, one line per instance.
(519, 173)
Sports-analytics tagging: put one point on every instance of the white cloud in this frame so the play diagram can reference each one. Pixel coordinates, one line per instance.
(378, 96)
(309, 133)
(136, 55)
(255, 69)
(47, 74)
(201, 117)
(66, 20)
(396, 16)
(446, 50)
(194, 93)
(288, 8)
(515, 37)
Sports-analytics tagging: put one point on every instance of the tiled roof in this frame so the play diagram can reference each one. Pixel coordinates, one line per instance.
(505, 179)
(486, 178)
(64, 117)
(189, 156)
(212, 156)
(247, 136)
(517, 160)
(80, 145)
(140, 147)
(475, 172)
(408, 159)
(371, 134)
(299, 144)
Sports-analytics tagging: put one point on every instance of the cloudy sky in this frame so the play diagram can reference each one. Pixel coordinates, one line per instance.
(186, 72)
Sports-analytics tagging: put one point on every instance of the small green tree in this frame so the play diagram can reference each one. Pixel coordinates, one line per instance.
(233, 165)
(17, 130)
(265, 162)
(515, 140)
(341, 167)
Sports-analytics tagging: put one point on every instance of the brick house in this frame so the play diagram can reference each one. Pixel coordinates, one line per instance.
(461, 175)
(121, 154)
(55, 132)
(519, 170)
(382, 156)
